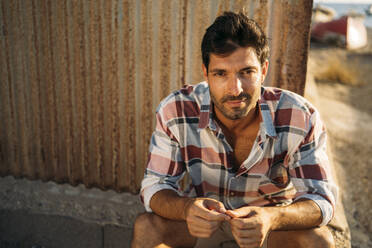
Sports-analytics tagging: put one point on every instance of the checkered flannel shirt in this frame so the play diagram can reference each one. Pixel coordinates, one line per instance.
(187, 139)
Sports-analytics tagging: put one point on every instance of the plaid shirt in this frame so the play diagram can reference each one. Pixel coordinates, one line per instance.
(187, 139)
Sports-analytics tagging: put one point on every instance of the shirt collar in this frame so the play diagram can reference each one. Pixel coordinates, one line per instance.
(267, 113)
(207, 115)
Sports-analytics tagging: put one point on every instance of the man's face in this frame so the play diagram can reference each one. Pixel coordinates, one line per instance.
(235, 82)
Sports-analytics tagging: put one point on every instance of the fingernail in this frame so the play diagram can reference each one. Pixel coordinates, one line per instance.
(226, 216)
(231, 214)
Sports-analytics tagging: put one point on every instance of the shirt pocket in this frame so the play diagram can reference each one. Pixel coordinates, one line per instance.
(244, 186)
(276, 179)
(242, 190)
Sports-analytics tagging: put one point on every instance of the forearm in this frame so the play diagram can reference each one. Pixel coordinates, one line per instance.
(168, 204)
(250, 225)
(302, 214)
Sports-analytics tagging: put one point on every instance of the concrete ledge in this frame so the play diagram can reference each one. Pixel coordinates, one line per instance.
(23, 229)
(88, 205)
(36, 214)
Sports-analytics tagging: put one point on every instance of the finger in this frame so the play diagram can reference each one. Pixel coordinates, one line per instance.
(202, 228)
(200, 233)
(246, 242)
(246, 233)
(232, 214)
(240, 213)
(202, 223)
(212, 215)
(242, 223)
(215, 205)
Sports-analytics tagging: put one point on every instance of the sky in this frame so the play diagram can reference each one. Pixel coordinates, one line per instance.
(344, 1)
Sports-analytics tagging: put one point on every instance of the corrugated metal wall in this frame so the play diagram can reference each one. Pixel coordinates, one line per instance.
(80, 80)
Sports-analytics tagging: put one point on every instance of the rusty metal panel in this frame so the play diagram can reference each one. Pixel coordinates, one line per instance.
(80, 80)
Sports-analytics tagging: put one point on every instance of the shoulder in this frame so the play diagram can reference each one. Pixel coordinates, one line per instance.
(289, 110)
(184, 102)
(280, 99)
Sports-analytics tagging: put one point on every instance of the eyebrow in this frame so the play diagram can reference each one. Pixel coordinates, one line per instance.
(217, 70)
(243, 69)
(248, 68)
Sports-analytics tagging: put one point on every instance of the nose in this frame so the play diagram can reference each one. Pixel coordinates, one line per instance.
(235, 86)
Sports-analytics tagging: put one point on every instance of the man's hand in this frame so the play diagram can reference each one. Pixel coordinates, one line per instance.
(203, 216)
(250, 226)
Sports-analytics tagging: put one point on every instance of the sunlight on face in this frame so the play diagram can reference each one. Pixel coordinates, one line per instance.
(235, 82)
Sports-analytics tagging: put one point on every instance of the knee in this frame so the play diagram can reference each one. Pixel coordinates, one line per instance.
(142, 223)
(148, 225)
(315, 237)
(141, 236)
(324, 237)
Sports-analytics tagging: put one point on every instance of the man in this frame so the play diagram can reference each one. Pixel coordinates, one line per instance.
(255, 155)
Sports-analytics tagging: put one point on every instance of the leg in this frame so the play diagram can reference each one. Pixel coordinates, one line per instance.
(151, 230)
(309, 238)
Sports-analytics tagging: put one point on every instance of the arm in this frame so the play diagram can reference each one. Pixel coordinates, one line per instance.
(251, 225)
(315, 199)
(169, 205)
(160, 190)
(302, 214)
(202, 215)
(310, 170)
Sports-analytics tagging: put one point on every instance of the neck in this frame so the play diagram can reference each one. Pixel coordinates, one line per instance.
(239, 124)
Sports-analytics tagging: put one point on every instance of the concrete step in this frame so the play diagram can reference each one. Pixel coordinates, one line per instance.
(19, 228)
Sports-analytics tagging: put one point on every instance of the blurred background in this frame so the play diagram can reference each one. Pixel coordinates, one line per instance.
(340, 66)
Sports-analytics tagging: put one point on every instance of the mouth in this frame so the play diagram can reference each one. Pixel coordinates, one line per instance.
(235, 103)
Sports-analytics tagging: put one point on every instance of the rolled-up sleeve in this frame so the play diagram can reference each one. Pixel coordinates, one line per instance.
(165, 167)
(310, 170)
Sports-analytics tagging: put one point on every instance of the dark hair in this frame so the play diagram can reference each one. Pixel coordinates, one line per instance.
(231, 31)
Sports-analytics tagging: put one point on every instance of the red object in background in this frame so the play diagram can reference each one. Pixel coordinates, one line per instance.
(348, 31)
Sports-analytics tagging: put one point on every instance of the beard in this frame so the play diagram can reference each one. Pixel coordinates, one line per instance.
(234, 113)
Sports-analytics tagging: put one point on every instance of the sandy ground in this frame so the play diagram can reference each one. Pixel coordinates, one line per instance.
(346, 109)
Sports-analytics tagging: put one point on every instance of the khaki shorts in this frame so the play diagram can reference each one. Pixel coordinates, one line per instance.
(222, 238)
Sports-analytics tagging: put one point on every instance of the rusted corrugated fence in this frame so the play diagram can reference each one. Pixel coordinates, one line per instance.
(80, 80)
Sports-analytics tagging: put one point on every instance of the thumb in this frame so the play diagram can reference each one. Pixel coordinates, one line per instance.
(240, 212)
(216, 206)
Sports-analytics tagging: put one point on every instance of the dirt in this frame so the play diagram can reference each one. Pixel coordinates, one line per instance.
(347, 112)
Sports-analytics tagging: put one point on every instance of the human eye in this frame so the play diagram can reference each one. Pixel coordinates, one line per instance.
(247, 72)
(219, 73)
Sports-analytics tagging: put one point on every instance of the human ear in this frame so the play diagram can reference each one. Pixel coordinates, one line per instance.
(205, 72)
(264, 69)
